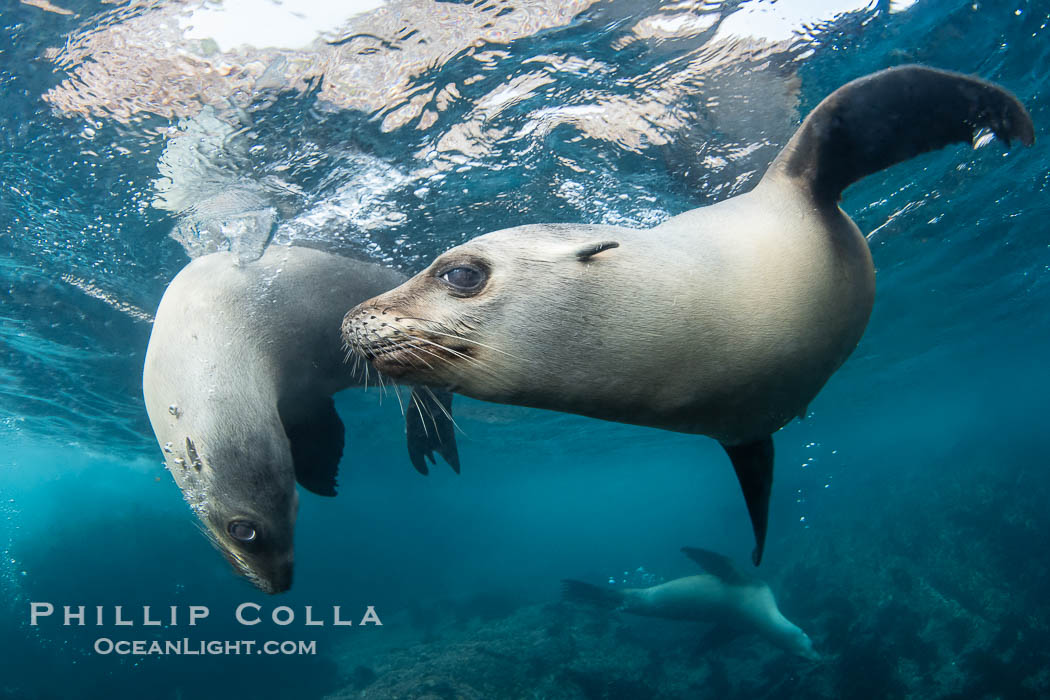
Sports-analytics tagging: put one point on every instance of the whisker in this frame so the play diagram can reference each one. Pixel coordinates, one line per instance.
(409, 346)
(480, 366)
(444, 410)
(433, 329)
(422, 420)
(476, 342)
(479, 363)
(379, 377)
(433, 420)
(457, 353)
(207, 533)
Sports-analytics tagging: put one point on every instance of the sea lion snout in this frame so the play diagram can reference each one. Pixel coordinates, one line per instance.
(373, 334)
(260, 549)
(279, 580)
(359, 326)
(387, 333)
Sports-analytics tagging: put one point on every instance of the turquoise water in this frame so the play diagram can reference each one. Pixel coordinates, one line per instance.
(908, 523)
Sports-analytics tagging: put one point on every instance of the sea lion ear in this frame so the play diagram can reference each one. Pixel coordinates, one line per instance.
(591, 249)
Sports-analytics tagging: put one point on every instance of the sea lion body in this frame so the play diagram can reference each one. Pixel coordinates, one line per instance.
(238, 378)
(724, 338)
(723, 321)
(727, 598)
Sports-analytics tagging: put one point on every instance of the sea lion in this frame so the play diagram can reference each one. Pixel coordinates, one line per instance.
(238, 381)
(736, 602)
(723, 321)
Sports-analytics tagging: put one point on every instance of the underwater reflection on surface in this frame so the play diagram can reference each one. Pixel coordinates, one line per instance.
(908, 515)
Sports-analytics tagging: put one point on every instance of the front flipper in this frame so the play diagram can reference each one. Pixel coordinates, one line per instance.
(316, 435)
(429, 428)
(753, 463)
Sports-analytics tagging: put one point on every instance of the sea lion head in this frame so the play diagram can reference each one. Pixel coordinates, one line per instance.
(798, 643)
(242, 489)
(489, 318)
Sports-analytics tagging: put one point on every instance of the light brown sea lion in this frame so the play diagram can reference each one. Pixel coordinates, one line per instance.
(723, 321)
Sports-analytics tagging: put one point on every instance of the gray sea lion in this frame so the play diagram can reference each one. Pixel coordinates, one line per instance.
(238, 382)
(736, 602)
(723, 321)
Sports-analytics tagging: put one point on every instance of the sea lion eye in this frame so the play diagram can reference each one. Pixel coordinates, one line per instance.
(241, 530)
(464, 278)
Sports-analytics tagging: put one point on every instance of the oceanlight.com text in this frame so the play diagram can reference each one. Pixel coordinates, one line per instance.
(187, 647)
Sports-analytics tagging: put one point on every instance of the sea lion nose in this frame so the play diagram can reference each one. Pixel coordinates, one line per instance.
(281, 580)
(354, 323)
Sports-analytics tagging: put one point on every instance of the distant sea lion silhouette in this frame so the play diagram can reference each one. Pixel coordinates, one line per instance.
(736, 602)
(723, 321)
(238, 382)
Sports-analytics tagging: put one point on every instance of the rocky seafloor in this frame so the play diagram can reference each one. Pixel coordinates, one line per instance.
(937, 590)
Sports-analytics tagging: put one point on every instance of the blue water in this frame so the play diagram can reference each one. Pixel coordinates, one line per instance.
(908, 530)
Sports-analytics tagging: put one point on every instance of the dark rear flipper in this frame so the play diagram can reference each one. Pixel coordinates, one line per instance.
(588, 594)
(429, 428)
(891, 116)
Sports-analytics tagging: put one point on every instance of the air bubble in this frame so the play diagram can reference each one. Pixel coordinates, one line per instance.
(983, 137)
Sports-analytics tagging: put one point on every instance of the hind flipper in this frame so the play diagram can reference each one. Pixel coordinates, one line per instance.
(890, 116)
